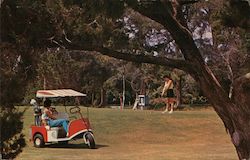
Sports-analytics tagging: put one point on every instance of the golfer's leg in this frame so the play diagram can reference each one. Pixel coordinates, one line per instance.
(166, 108)
(59, 122)
(172, 108)
(55, 123)
(65, 125)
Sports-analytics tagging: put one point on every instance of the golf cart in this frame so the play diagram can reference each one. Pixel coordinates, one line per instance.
(79, 128)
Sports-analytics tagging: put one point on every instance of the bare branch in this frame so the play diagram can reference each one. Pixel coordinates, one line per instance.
(66, 38)
(245, 77)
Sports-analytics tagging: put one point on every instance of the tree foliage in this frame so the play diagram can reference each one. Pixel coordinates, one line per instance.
(12, 139)
(13, 78)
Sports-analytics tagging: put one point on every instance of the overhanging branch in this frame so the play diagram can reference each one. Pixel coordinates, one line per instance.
(172, 63)
(140, 58)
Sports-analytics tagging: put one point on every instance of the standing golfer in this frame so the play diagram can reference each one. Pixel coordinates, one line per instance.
(169, 100)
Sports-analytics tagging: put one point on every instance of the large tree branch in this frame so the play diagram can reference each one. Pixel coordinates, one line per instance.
(140, 58)
(172, 63)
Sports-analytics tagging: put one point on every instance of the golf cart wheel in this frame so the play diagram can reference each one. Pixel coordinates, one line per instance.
(38, 141)
(90, 141)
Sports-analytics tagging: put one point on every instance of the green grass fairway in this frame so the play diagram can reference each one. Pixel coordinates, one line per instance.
(142, 135)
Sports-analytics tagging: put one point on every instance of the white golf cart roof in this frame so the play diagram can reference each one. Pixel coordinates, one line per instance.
(58, 93)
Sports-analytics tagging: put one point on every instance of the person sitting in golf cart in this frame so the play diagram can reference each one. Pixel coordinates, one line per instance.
(49, 117)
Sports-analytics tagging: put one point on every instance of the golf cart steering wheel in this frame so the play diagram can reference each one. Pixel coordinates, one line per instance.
(75, 110)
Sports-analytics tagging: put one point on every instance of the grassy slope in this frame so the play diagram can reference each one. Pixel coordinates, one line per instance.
(149, 135)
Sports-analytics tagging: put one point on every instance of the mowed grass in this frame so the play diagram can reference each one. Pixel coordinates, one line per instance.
(137, 135)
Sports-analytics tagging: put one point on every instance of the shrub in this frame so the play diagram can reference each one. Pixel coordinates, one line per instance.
(11, 137)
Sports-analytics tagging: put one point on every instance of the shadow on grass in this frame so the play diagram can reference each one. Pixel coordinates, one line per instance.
(73, 146)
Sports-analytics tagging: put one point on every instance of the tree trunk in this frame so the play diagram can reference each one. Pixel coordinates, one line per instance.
(234, 116)
(123, 92)
(44, 82)
(102, 97)
(136, 102)
(178, 92)
(93, 98)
